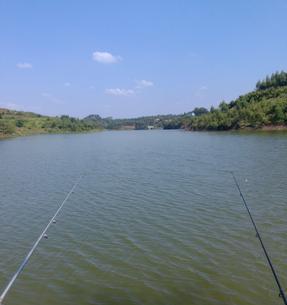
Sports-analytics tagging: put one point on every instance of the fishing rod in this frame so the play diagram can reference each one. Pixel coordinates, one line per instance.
(43, 234)
(281, 292)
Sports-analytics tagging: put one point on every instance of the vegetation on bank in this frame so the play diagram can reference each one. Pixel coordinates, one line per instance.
(145, 122)
(17, 123)
(265, 107)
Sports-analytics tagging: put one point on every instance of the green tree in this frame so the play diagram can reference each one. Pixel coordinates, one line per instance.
(7, 127)
(199, 111)
(277, 114)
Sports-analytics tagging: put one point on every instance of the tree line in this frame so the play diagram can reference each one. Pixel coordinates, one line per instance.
(265, 106)
(277, 79)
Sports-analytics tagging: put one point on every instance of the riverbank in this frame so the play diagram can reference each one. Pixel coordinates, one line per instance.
(34, 133)
(264, 129)
(271, 128)
(18, 123)
(262, 109)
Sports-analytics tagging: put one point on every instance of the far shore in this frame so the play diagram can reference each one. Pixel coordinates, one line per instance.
(35, 133)
(270, 128)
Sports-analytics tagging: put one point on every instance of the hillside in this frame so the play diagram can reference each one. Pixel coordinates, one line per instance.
(140, 123)
(265, 107)
(17, 123)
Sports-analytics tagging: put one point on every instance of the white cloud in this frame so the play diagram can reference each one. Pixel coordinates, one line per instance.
(12, 106)
(120, 92)
(24, 65)
(201, 92)
(67, 84)
(106, 57)
(52, 98)
(140, 84)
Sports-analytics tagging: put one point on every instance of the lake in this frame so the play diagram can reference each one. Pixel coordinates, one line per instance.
(155, 220)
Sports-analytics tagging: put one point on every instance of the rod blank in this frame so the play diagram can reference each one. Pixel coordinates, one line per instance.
(26, 259)
(281, 292)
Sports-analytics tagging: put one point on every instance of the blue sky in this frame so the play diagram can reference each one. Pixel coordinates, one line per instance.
(132, 58)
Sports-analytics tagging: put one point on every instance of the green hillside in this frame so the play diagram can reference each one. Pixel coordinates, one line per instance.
(140, 123)
(266, 107)
(17, 123)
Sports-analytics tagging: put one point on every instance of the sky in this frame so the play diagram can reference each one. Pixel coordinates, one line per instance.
(131, 58)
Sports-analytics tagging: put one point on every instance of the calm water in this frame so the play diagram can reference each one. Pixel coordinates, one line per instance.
(154, 220)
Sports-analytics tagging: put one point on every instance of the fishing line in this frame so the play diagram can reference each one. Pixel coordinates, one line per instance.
(52, 220)
(281, 292)
(43, 234)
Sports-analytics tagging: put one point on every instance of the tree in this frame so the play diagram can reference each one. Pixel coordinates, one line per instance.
(278, 115)
(7, 127)
(277, 79)
(19, 123)
(223, 106)
(199, 111)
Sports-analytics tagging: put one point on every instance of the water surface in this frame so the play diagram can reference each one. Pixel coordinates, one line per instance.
(155, 220)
